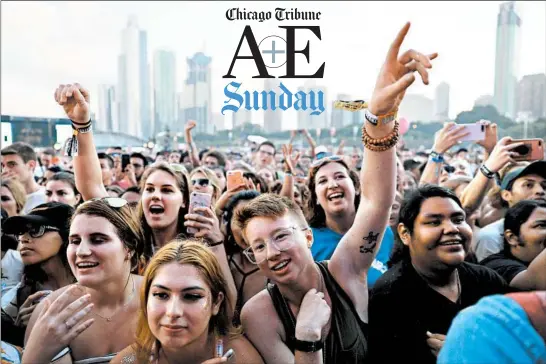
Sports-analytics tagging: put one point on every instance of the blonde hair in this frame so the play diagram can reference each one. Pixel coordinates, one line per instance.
(209, 173)
(188, 252)
(18, 192)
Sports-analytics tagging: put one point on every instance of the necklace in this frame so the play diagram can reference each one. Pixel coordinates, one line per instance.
(109, 319)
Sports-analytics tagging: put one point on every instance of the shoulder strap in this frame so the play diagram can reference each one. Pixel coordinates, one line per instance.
(285, 315)
(534, 304)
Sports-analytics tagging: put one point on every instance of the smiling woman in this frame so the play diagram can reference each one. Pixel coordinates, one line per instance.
(105, 247)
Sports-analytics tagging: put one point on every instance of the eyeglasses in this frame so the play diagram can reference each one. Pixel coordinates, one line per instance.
(115, 202)
(321, 161)
(203, 182)
(137, 166)
(36, 231)
(282, 240)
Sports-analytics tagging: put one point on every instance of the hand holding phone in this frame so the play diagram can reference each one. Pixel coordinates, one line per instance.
(198, 199)
(531, 150)
(125, 161)
(234, 179)
(476, 132)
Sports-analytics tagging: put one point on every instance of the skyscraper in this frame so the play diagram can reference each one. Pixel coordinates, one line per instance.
(416, 107)
(242, 116)
(532, 95)
(507, 59)
(165, 104)
(133, 82)
(107, 118)
(305, 119)
(341, 118)
(196, 98)
(441, 102)
(272, 118)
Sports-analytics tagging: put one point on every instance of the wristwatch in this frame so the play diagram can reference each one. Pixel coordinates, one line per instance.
(308, 346)
(436, 157)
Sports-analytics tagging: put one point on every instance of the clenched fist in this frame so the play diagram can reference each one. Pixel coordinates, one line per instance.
(75, 101)
(313, 316)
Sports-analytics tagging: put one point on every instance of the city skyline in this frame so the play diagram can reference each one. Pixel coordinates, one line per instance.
(466, 62)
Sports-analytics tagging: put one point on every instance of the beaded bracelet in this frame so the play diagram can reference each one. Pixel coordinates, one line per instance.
(381, 144)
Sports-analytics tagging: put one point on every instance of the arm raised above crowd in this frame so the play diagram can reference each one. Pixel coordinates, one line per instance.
(75, 101)
(357, 249)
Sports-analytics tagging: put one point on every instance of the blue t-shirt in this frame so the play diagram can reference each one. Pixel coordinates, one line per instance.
(325, 242)
(495, 330)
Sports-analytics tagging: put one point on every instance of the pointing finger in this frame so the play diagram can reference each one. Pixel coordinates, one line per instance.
(395, 46)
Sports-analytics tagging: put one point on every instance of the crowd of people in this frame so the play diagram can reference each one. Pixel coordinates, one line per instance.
(375, 254)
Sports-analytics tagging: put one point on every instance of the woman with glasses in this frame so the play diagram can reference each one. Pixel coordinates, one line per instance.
(91, 321)
(185, 319)
(43, 241)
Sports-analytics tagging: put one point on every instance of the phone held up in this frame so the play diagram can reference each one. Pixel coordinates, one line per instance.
(476, 132)
(125, 161)
(198, 199)
(531, 150)
(234, 179)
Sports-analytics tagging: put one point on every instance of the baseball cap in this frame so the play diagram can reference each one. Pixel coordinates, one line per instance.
(48, 214)
(537, 167)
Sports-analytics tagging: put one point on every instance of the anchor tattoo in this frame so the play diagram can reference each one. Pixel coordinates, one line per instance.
(372, 242)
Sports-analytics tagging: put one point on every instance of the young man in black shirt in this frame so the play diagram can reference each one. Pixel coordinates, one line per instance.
(522, 262)
(413, 303)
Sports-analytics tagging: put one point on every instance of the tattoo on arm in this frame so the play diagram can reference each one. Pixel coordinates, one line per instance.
(371, 242)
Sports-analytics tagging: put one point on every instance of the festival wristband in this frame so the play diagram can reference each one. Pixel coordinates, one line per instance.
(436, 157)
(308, 346)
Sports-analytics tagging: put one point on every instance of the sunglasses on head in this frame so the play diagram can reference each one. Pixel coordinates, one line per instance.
(114, 202)
(203, 182)
(331, 158)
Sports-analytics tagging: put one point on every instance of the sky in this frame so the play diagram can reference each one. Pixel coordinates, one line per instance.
(44, 44)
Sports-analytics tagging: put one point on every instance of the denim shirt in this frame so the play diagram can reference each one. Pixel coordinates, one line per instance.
(495, 330)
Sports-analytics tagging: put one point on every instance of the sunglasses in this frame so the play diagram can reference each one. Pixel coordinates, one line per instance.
(36, 231)
(114, 202)
(321, 161)
(449, 169)
(203, 182)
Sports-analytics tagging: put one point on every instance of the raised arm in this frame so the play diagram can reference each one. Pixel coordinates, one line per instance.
(357, 249)
(75, 101)
(192, 148)
(444, 139)
(289, 163)
(474, 193)
(311, 141)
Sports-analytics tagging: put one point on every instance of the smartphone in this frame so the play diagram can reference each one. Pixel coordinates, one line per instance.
(125, 161)
(198, 199)
(234, 179)
(531, 150)
(229, 354)
(477, 132)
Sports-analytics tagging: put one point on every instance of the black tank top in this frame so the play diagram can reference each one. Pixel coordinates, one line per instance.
(347, 340)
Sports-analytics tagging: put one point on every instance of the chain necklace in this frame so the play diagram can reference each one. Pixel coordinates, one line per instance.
(109, 319)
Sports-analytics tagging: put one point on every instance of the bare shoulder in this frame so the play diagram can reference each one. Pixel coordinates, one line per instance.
(127, 355)
(259, 307)
(245, 352)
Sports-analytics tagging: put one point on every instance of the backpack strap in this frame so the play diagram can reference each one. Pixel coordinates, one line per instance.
(534, 304)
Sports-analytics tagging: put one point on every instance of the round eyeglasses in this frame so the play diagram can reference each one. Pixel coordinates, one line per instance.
(282, 240)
